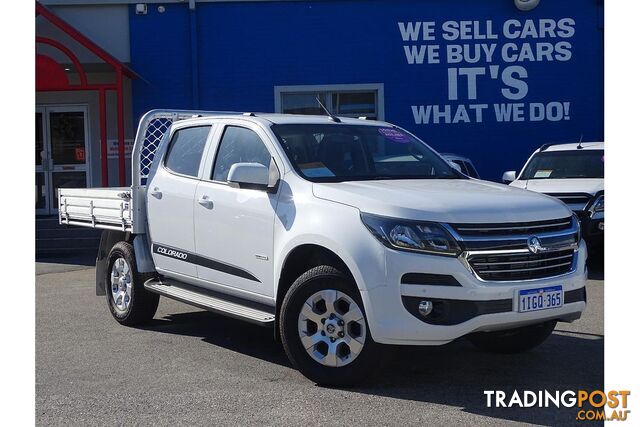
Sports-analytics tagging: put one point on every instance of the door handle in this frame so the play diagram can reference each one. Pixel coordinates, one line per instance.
(156, 193)
(206, 202)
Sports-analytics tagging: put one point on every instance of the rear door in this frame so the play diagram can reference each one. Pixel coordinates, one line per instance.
(234, 226)
(170, 201)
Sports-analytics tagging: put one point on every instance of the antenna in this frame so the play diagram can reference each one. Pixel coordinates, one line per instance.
(331, 116)
(580, 147)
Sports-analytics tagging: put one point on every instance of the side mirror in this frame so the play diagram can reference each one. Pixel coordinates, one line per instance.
(254, 176)
(509, 177)
(455, 166)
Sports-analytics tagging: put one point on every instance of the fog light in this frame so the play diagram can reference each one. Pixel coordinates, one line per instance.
(425, 308)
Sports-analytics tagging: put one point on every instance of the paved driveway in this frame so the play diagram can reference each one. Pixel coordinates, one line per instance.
(194, 367)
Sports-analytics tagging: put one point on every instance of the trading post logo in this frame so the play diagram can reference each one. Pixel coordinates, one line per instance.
(595, 405)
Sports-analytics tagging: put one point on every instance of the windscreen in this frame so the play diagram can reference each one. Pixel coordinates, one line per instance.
(565, 164)
(341, 152)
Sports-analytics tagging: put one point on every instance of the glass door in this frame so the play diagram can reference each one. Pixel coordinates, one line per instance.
(42, 165)
(63, 153)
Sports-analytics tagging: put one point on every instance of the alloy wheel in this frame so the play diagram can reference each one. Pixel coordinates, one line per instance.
(332, 328)
(121, 284)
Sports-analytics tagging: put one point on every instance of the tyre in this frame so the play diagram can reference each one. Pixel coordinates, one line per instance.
(324, 330)
(129, 303)
(513, 340)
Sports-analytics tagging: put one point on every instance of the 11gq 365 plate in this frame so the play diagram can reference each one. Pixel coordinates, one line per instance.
(540, 298)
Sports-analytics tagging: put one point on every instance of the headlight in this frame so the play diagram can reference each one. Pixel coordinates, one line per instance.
(415, 236)
(579, 225)
(598, 205)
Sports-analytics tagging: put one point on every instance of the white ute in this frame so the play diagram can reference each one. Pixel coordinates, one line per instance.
(573, 173)
(340, 234)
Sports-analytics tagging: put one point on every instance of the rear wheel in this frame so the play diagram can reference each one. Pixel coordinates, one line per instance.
(130, 304)
(513, 340)
(324, 330)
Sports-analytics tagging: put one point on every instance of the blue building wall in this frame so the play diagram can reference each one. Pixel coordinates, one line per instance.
(229, 56)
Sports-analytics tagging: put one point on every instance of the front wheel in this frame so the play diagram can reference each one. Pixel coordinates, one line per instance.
(513, 340)
(324, 330)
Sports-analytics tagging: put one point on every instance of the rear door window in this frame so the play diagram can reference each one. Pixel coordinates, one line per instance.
(185, 151)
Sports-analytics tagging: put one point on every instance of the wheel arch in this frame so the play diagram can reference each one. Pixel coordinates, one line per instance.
(141, 251)
(107, 240)
(300, 259)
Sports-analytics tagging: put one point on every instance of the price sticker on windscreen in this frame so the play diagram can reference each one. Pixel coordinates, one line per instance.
(394, 135)
(544, 173)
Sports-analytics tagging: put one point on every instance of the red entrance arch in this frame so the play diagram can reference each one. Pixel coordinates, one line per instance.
(50, 76)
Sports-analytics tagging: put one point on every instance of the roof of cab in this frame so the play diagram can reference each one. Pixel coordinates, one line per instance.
(301, 119)
(288, 119)
(574, 146)
(451, 156)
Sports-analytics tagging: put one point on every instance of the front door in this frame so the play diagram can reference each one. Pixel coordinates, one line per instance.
(234, 226)
(61, 153)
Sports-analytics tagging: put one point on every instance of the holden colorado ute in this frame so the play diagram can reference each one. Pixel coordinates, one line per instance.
(342, 235)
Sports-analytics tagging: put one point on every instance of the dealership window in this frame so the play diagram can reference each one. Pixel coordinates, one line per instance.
(358, 100)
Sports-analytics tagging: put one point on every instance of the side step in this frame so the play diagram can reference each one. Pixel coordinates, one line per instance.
(227, 305)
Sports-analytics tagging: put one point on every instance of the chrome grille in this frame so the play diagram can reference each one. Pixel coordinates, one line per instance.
(575, 200)
(521, 266)
(512, 228)
(500, 251)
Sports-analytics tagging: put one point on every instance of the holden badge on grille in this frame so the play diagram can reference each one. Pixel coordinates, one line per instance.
(535, 246)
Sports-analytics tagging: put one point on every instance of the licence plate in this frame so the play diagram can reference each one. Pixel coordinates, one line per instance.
(540, 298)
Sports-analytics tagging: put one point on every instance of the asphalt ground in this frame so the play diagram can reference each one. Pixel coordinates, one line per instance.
(193, 367)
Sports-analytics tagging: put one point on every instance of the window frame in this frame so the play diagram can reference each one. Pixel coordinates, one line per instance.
(212, 169)
(377, 88)
(472, 168)
(216, 140)
(204, 150)
(463, 166)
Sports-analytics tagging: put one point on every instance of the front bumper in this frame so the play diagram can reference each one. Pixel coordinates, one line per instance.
(391, 321)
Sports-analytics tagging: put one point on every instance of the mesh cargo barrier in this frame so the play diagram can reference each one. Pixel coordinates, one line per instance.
(154, 133)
